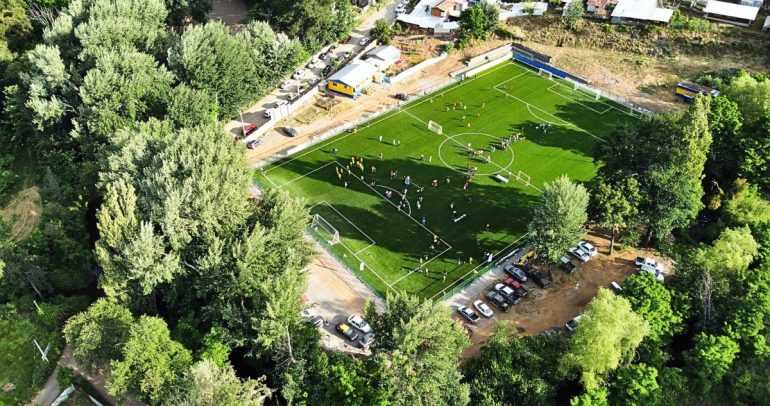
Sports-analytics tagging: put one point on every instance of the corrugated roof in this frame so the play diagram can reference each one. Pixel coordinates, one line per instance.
(387, 53)
(354, 74)
(731, 10)
(642, 10)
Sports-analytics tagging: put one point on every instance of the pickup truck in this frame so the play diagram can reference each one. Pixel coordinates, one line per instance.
(517, 287)
(649, 263)
(539, 278)
(568, 266)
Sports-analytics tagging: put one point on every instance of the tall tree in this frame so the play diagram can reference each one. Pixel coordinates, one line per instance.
(725, 124)
(607, 337)
(616, 204)
(98, 334)
(636, 385)
(654, 302)
(152, 363)
(417, 352)
(209, 384)
(473, 22)
(558, 219)
(710, 359)
(315, 22)
(574, 14)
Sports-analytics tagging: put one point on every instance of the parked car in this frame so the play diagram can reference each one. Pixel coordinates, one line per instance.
(658, 275)
(307, 314)
(341, 58)
(401, 9)
(616, 287)
(332, 47)
(359, 323)
(293, 97)
(347, 54)
(363, 41)
(324, 55)
(650, 263)
(312, 81)
(327, 70)
(587, 247)
(539, 278)
(579, 254)
(497, 300)
(268, 113)
(253, 144)
(568, 266)
(317, 321)
(516, 273)
(483, 308)
(248, 128)
(520, 289)
(286, 83)
(572, 324)
(469, 314)
(366, 340)
(349, 332)
(402, 96)
(290, 131)
(508, 293)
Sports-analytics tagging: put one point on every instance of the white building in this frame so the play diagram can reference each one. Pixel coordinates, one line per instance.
(730, 13)
(383, 56)
(640, 11)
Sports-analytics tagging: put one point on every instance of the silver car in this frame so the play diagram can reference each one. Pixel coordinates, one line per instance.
(483, 308)
(359, 323)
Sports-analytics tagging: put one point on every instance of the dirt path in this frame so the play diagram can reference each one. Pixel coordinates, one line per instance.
(23, 211)
(51, 390)
(566, 298)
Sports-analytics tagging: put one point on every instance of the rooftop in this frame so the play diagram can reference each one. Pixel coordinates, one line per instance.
(647, 10)
(731, 10)
(354, 74)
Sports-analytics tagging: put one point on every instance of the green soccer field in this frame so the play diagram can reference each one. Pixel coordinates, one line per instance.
(430, 249)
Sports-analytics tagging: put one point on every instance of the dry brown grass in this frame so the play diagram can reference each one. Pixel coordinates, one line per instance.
(23, 211)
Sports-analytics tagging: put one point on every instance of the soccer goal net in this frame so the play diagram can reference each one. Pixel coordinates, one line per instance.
(523, 178)
(581, 88)
(325, 230)
(435, 127)
(545, 73)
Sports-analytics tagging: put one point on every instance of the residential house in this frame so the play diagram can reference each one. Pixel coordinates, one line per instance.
(383, 57)
(449, 8)
(600, 8)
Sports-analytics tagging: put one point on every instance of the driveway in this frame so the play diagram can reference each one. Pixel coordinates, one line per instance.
(308, 74)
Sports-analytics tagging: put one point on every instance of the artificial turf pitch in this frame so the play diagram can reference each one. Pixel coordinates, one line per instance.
(505, 100)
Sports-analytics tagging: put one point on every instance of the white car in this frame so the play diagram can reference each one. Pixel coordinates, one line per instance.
(359, 323)
(572, 324)
(649, 263)
(483, 308)
(364, 41)
(587, 247)
(401, 9)
(579, 254)
(298, 74)
(307, 314)
(468, 314)
(286, 83)
(658, 275)
(293, 96)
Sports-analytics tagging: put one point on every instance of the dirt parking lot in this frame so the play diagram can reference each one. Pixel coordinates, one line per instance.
(566, 298)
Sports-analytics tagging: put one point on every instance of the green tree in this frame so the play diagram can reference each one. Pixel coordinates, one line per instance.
(98, 334)
(607, 337)
(473, 22)
(734, 250)
(315, 22)
(711, 359)
(152, 363)
(491, 14)
(635, 384)
(512, 369)
(417, 352)
(558, 219)
(654, 302)
(595, 397)
(181, 10)
(746, 206)
(207, 383)
(382, 31)
(725, 124)
(616, 204)
(574, 14)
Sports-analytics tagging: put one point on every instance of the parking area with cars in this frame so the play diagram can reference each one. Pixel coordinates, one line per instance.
(524, 294)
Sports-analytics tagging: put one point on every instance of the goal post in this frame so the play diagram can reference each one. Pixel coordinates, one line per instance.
(325, 230)
(545, 73)
(435, 127)
(523, 178)
(579, 87)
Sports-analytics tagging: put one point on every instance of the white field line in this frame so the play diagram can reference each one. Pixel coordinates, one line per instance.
(423, 265)
(391, 115)
(559, 85)
(303, 175)
(464, 277)
(371, 240)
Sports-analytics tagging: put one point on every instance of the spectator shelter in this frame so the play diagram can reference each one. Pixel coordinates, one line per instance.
(688, 91)
(640, 12)
(352, 80)
(730, 13)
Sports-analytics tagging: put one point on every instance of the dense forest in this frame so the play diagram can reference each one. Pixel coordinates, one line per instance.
(152, 260)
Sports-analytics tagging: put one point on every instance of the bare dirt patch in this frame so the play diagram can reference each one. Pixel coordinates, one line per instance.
(565, 299)
(23, 212)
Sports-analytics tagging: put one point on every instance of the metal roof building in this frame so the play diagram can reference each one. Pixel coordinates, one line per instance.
(730, 13)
